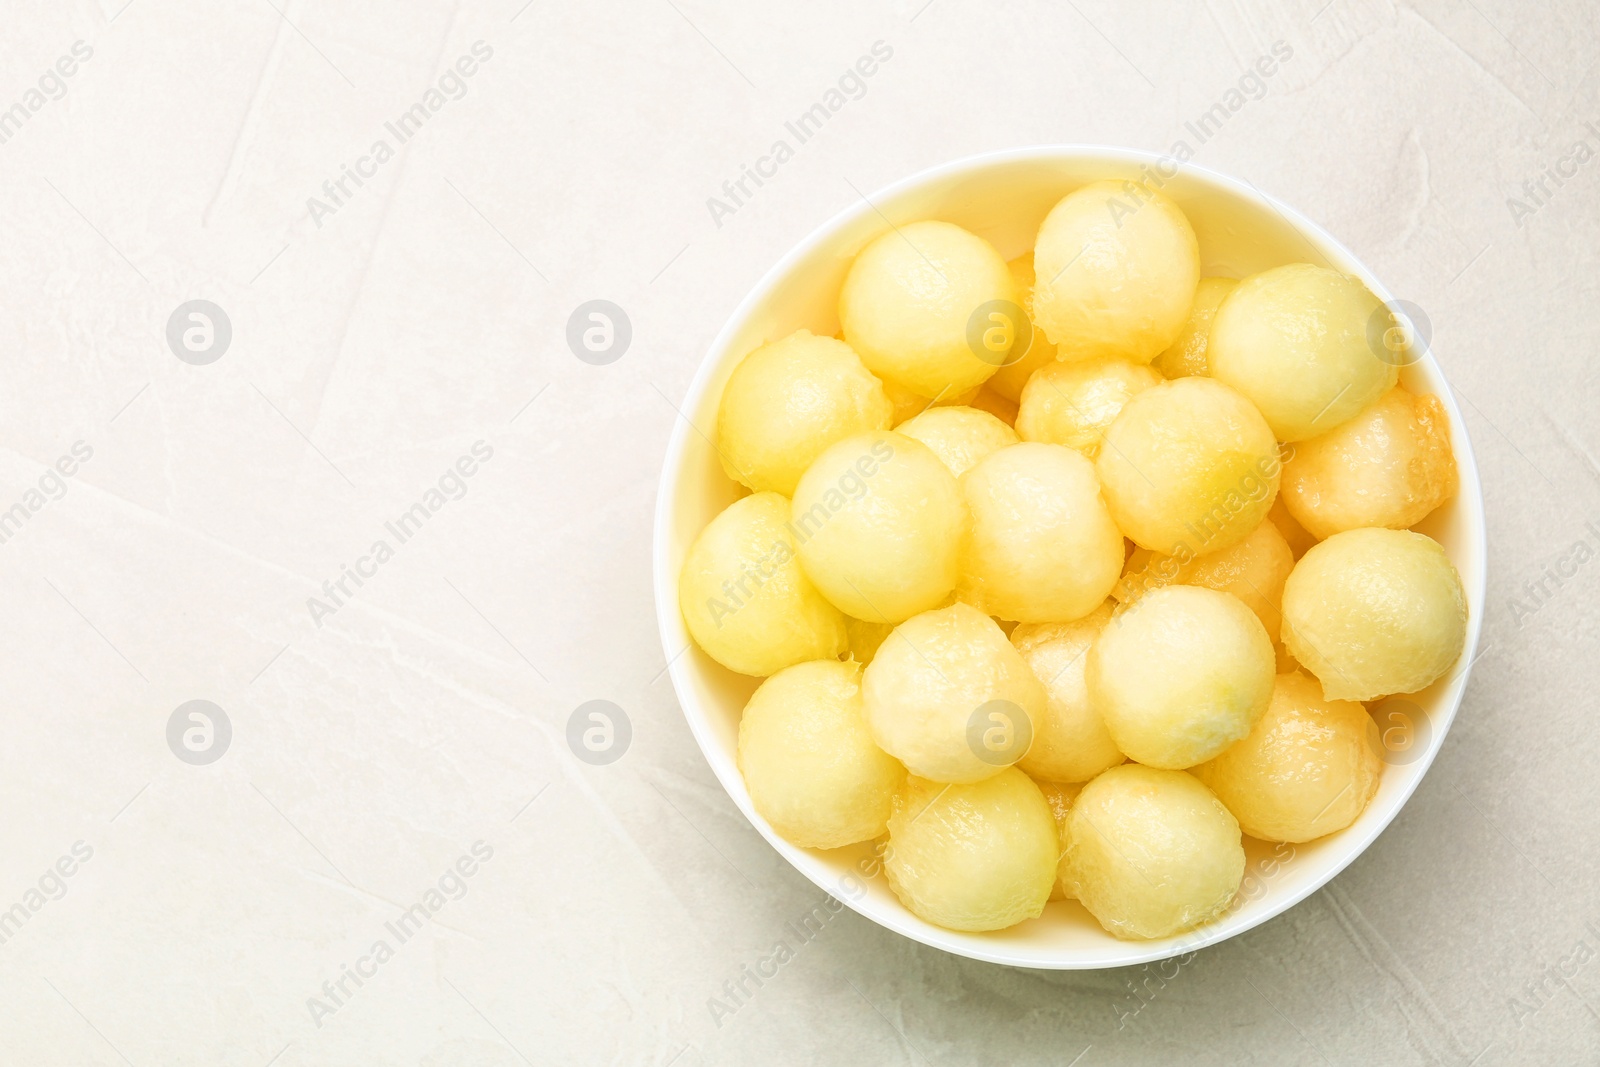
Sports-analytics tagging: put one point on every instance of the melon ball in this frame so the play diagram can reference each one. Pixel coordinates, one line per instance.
(1299, 540)
(789, 400)
(1059, 795)
(949, 696)
(1009, 380)
(1307, 769)
(959, 436)
(1040, 545)
(865, 638)
(1072, 404)
(1389, 466)
(907, 404)
(978, 856)
(1375, 612)
(1070, 740)
(1189, 466)
(1187, 355)
(878, 521)
(1181, 674)
(1253, 570)
(1117, 267)
(1294, 340)
(909, 301)
(744, 597)
(808, 760)
(1151, 852)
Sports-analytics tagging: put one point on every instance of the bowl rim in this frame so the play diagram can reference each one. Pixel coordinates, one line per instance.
(670, 624)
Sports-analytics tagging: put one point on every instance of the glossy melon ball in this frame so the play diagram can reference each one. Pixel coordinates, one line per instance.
(1253, 570)
(1151, 852)
(1181, 674)
(1070, 740)
(789, 400)
(1294, 340)
(1072, 404)
(1375, 612)
(1389, 466)
(808, 760)
(1117, 270)
(1187, 355)
(1189, 466)
(865, 638)
(1040, 545)
(960, 436)
(1059, 795)
(744, 597)
(878, 521)
(1009, 379)
(949, 696)
(1299, 540)
(980, 856)
(1307, 769)
(908, 304)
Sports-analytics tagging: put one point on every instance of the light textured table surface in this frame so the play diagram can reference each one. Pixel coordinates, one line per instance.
(379, 735)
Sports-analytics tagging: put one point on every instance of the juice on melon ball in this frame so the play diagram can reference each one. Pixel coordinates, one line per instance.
(1059, 795)
(959, 436)
(1040, 542)
(744, 597)
(1180, 675)
(1189, 467)
(1070, 740)
(1253, 570)
(1187, 355)
(1009, 380)
(1117, 267)
(1389, 466)
(1151, 852)
(948, 696)
(1307, 769)
(1294, 339)
(789, 400)
(979, 856)
(1375, 612)
(878, 522)
(909, 303)
(808, 760)
(1072, 404)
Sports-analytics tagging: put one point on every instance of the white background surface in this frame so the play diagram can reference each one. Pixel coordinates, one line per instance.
(372, 351)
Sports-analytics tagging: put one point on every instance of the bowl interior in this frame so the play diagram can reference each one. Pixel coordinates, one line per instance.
(1003, 197)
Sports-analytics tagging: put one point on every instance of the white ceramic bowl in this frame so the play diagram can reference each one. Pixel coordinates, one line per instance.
(1003, 196)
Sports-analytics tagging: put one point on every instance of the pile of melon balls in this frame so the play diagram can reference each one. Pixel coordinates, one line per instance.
(1065, 573)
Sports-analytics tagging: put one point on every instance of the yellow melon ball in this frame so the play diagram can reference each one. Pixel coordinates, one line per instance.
(808, 760)
(1040, 543)
(865, 638)
(1375, 612)
(960, 436)
(1151, 852)
(1389, 466)
(744, 597)
(1059, 795)
(1294, 340)
(1070, 740)
(1181, 674)
(948, 696)
(878, 521)
(1307, 769)
(1187, 355)
(1253, 570)
(909, 302)
(1117, 270)
(980, 856)
(1189, 466)
(1299, 540)
(1072, 404)
(906, 404)
(789, 400)
(1009, 379)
